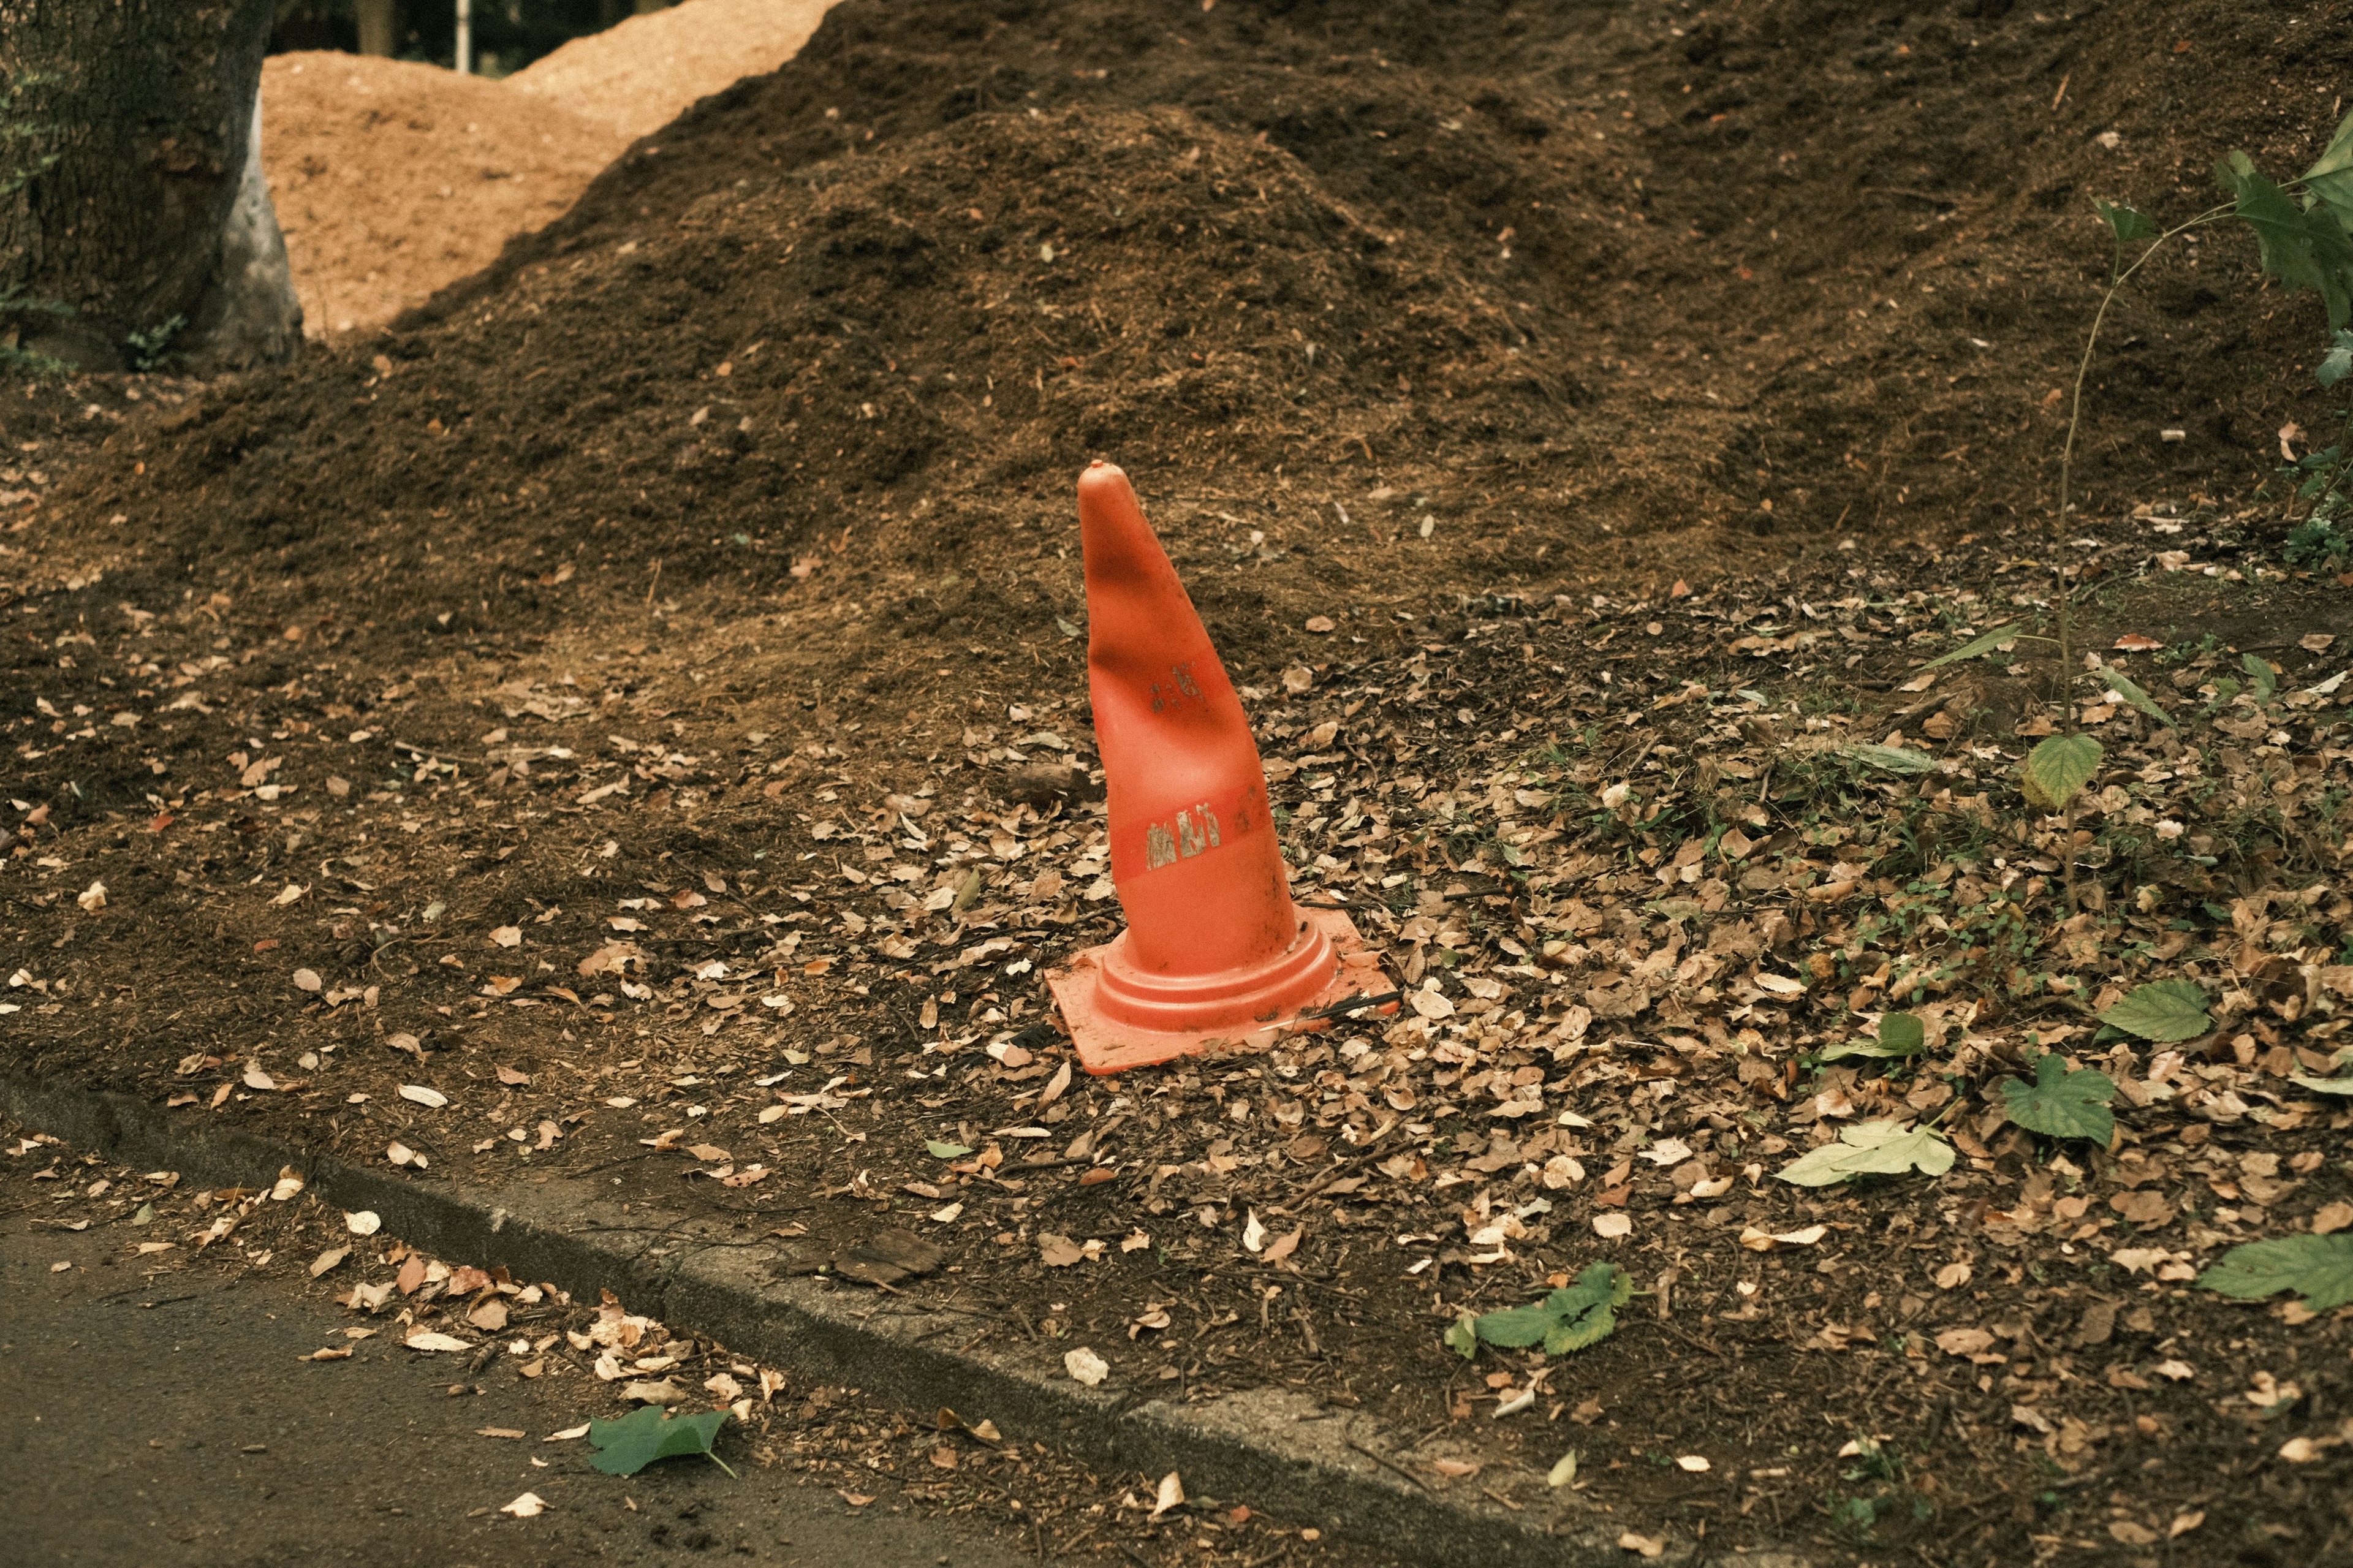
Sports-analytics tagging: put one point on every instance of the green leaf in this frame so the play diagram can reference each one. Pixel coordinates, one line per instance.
(649, 1433)
(1872, 1149)
(1900, 1035)
(2259, 670)
(1588, 1308)
(945, 1150)
(2330, 180)
(1519, 1326)
(1571, 1317)
(1891, 759)
(2127, 222)
(2303, 249)
(2338, 362)
(2058, 767)
(2163, 1010)
(1462, 1338)
(1983, 644)
(2323, 1085)
(2060, 1103)
(1068, 628)
(2318, 1267)
(2132, 693)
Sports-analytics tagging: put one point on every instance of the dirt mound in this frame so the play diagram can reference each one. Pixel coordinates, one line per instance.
(986, 305)
(637, 75)
(1451, 325)
(392, 179)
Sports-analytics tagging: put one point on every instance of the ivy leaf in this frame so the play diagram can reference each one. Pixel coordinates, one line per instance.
(1892, 759)
(1462, 1338)
(2163, 1010)
(2132, 693)
(2318, 1267)
(2062, 1104)
(2058, 767)
(1900, 1035)
(2337, 364)
(2128, 222)
(1872, 1149)
(1983, 644)
(945, 1150)
(649, 1433)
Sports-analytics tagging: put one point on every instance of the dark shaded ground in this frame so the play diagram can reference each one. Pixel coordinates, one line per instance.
(174, 1423)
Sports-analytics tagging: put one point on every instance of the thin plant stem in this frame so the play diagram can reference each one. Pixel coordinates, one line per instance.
(2118, 275)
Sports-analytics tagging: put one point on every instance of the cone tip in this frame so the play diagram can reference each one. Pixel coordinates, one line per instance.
(1101, 476)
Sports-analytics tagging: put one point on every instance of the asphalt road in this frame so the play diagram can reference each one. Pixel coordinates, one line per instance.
(168, 1423)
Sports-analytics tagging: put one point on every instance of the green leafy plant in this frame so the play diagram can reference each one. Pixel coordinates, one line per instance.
(1872, 1149)
(2263, 680)
(2060, 1103)
(2054, 773)
(2164, 1011)
(151, 349)
(2319, 1269)
(1577, 1315)
(2317, 544)
(649, 1433)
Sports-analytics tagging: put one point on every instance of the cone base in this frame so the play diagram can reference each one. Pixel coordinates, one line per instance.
(1107, 1044)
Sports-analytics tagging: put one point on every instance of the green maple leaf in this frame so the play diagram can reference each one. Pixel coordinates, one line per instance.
(2318, 1267)
(2163, 1011)
(1872, 1149)
(649, 1433)
(2060, 766)
(2060, 1103)
(1578, 1315)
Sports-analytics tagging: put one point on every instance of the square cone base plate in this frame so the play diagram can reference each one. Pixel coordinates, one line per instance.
(1107, 1046)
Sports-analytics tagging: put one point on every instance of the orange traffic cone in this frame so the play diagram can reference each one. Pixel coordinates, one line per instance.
(1215, 951)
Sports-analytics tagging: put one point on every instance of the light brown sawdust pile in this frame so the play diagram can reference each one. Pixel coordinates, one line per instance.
(642, 73)
(392, 179)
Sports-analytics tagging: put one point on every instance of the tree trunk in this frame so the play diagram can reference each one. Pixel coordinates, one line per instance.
(135, 226)
(379, 26)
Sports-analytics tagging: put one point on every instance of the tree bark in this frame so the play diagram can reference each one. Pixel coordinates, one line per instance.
(135, 225)
(379, 26)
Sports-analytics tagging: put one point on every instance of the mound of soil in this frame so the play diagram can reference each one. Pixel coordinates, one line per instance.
(392, 179)
(637, 75)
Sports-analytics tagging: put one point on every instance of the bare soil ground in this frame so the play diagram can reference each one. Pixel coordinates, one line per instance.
(620, 702)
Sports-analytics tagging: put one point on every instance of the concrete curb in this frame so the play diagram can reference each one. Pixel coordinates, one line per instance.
(1276, 1449)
